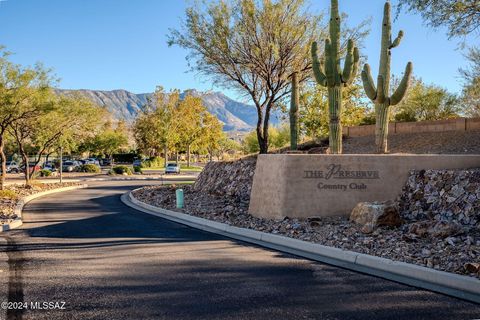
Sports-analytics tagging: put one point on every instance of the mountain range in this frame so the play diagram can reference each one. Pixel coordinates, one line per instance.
(124, 105)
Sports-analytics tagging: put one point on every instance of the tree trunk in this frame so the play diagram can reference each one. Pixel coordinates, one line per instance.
(262, 141)
(4, 162)
(381, 128)
(176, 157)
(188, 156)
(335, 104)
(28, 174)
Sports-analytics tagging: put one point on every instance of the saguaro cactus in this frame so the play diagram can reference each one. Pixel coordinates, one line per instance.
(380, 94)
(294, 102)
(328, 73)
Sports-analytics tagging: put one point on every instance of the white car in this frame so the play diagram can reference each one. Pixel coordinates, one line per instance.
(12, 167)
(92, 161)
(172, 168)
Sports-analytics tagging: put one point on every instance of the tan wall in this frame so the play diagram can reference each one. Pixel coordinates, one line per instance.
(460, 124)
(300, 186)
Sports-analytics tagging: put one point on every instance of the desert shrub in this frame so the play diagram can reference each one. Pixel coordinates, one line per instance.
(44, 173)
(137, 169)
(154, 162)
(8, 194)
(91, 168)
(121, 170)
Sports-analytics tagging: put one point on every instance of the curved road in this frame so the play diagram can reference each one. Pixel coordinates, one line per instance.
(108, 261)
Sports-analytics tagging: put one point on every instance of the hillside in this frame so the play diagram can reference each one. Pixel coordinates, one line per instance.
(125, 105)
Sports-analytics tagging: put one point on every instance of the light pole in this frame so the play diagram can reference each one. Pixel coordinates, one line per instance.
(61, 165)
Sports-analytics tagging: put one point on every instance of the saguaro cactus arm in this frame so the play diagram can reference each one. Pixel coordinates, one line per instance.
(368, 83)
(397, 40)
(329, 63)
(402, 88)
(351, 63)
(317, 66)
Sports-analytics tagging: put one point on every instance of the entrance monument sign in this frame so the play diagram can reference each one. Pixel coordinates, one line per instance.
(297, 185)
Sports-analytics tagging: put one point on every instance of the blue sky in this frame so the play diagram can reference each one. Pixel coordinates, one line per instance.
(121, 44)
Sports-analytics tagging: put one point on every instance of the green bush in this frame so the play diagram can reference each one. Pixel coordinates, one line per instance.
(154, 162)
(137, 169)
(8, 194)
(121, 170)
(45, 173)
(91, 168)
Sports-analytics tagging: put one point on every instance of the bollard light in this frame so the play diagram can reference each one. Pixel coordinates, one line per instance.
(179, 196)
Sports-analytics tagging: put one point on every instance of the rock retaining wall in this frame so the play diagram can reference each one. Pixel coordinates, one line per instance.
(231, 178)
(442, 195)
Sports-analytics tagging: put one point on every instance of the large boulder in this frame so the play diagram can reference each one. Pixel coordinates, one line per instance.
(371, 215)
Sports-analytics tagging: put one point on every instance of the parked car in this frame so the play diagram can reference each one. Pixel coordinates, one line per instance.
(12, 167)
(49, 165)
(172, 168)
(105, 162)
(70, 166)
(92, 161)
(137, 163)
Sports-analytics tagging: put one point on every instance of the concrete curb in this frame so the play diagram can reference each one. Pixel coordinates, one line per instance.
(20, 204)
(455, 285)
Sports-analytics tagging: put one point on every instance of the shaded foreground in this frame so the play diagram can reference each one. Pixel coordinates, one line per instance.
(107, 261)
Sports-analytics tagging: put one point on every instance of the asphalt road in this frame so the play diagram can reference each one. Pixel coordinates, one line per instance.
(107, 261)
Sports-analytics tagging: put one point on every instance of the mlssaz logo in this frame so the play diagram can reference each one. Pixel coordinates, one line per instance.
(335, 171)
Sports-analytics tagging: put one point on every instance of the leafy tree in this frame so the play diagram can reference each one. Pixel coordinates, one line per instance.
(314, 120)
(471, 87)
(279, 137)
(155, 128)
(252, 46)
(211, 135)
(24, 129)
(427, 102)
(67, 122)
(108, 140)
(20, 89)
(462, 17)
(192, 117)
(227, 145)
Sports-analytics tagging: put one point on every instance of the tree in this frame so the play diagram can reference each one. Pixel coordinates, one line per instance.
(73, 120)
(155, 128)
(279, 138)
(471, 86)
(109, 139)
(252, 46)
(19, 91)
(314, 119)
(24, 129)
(192, 117)
(427, 102)
(211, 134)
(227, 145)
(462, 17)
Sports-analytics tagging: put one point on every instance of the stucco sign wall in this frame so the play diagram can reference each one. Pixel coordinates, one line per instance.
(330, 185)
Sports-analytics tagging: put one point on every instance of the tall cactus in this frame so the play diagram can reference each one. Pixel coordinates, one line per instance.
(380, 94)
(294, 103)
(328, 73)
